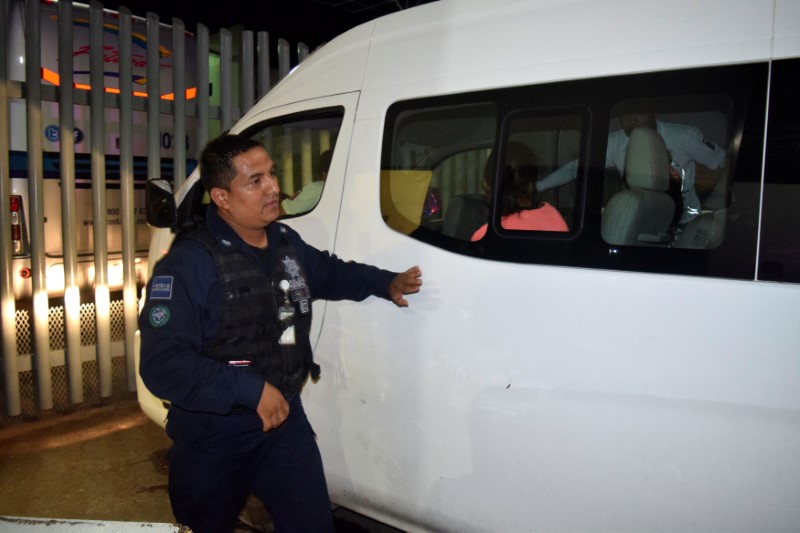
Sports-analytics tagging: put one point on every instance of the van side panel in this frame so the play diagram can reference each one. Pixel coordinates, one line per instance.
(513, 397)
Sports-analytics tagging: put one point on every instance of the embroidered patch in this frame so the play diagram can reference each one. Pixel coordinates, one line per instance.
(161, 288)
(159, 315)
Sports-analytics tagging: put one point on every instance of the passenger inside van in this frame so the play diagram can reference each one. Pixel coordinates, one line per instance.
(687, 146)
(306, 198)
(520, 205)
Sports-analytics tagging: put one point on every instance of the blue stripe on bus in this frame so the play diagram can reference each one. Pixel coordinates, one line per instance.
(18, 163)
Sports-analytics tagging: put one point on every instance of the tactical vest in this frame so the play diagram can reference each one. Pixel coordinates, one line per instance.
(250, 326)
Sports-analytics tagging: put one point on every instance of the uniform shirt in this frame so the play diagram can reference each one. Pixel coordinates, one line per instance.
(305, 200)
(180, 315)
(686, 145)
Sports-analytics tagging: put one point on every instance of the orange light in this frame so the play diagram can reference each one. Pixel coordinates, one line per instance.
(190, 94)
(53, 77)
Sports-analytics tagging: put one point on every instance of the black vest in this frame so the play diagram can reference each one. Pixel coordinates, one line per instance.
(250, 326)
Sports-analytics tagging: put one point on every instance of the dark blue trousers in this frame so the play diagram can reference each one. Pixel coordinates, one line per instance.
(217, 460)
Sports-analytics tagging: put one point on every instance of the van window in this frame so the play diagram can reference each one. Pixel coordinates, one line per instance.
(434, 164)
(300, 146)
(666, 172)
(441, 174)
(534, 145)
(657, 172)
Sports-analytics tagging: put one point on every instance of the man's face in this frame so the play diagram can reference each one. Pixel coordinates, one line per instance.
(253, 199)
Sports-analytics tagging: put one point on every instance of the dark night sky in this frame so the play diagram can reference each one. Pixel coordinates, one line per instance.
(294, 20)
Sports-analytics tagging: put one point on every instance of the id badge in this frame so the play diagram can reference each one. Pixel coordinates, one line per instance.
(287, 337)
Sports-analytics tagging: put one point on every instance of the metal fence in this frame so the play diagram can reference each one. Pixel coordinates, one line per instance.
(76, 350)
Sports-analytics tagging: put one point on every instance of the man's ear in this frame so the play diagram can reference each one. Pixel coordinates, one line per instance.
(219, 197)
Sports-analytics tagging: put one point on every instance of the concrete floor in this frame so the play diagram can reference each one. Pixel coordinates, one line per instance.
(106, 463)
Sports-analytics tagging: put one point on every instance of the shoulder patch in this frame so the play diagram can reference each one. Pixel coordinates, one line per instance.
(161, 288)
(159, 315)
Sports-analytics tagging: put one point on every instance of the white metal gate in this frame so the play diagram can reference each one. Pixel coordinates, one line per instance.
(65, 348)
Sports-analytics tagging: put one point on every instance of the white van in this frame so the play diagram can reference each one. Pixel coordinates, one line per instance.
(632, 373)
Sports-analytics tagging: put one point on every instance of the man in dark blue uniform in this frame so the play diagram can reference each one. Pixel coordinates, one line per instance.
(224, 333)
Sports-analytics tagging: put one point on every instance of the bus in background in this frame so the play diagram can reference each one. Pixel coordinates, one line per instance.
(51, 137)
(637, 372)
(63, 300)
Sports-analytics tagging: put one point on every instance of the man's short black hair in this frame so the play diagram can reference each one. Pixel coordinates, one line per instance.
(216, 160)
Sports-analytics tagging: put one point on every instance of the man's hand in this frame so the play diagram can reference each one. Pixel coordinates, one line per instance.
(408, 282)
(272, 407)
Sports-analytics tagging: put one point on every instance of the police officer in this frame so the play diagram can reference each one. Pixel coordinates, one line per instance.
(224, 333)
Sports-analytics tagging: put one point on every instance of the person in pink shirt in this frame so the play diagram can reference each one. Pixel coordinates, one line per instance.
(520, 207)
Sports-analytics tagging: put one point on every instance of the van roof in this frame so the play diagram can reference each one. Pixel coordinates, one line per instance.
(465, 45)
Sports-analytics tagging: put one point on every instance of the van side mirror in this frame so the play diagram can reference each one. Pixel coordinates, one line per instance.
(160, 204)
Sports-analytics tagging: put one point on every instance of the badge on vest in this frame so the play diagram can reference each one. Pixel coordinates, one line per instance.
(286, 316)
(298, 291)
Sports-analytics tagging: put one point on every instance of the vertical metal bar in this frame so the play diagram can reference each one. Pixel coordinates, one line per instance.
(447, 184)
(302, 52)
(179, 103)
(287, 162)
(474, 176)
(7, 303)
(126, 188)
(153, 99)
(97, 117)
(33, 108)
(264, 84)
(324, 140)
(225, 77)
(306, 158)
(202, 100)
(247, 89)
(66, 123)
(284, 59)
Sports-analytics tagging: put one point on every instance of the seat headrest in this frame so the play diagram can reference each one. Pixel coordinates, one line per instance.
(647, 161)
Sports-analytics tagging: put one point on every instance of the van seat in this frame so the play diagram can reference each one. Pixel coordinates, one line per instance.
(704, 232)
(643, 213)
(465, 214)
